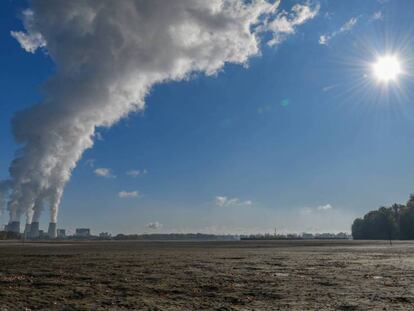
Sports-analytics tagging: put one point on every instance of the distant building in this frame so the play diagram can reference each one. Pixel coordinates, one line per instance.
(293, 236)
(104, 235)
(307, 236)
(343, 235)
(328, 236)
(61, 233)
(43, 235)
(83, 232)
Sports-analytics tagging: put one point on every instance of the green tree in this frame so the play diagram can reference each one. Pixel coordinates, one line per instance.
(358, 229)
(406, 223)
(377, 225)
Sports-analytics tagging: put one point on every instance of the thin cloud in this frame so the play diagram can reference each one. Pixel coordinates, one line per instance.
(154, 225)
(285, 23)
(136, 173)
(325, 207)
(313, 210)
(90, 162)
(349, 24)
(329, 87)
(325, 38)
(103, 172)
(224, 201)
(98, 136)
(328, 15)
(128, 195)
(377, 16)
(29, 42)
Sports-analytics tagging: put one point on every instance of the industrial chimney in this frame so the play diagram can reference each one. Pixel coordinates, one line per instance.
(52, 232)
(34, 230)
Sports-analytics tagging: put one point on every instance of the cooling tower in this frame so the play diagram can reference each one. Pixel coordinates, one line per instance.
(34, 230)
(14, 226)
(52, 232)
(27, 231)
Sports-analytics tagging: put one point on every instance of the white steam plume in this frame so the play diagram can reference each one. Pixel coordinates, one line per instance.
(4, 191)
(108, 55)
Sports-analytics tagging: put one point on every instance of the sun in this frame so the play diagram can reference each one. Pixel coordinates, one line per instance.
(387, 68)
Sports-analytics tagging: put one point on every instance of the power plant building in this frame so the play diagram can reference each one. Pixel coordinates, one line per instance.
(34, 230)
(61, 233)
(52, 231)
(105, 235)
(14, 226)
(83, 232)
(27, 231)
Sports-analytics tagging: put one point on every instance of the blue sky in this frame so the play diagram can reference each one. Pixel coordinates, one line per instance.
(299, 140)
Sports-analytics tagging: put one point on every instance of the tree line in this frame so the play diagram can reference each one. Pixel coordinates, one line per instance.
(386, 223)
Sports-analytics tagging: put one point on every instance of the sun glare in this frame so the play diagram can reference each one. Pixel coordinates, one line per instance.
(387, 68)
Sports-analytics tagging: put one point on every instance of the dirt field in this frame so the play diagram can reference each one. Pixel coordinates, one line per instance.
(246, 275)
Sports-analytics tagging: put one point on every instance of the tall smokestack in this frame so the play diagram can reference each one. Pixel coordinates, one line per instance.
(52, 232)
(34, 230)
(14, 226)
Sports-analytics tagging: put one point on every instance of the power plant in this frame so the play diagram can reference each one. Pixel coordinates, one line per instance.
(32, 232)
(27, 230)
(61, 233)
(83, 232)
(52, 231)
(14, 226)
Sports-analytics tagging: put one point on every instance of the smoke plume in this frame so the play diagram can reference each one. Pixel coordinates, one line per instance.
(108, 55)
(4, 190)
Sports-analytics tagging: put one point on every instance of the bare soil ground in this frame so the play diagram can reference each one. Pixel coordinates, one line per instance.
(245, 275)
